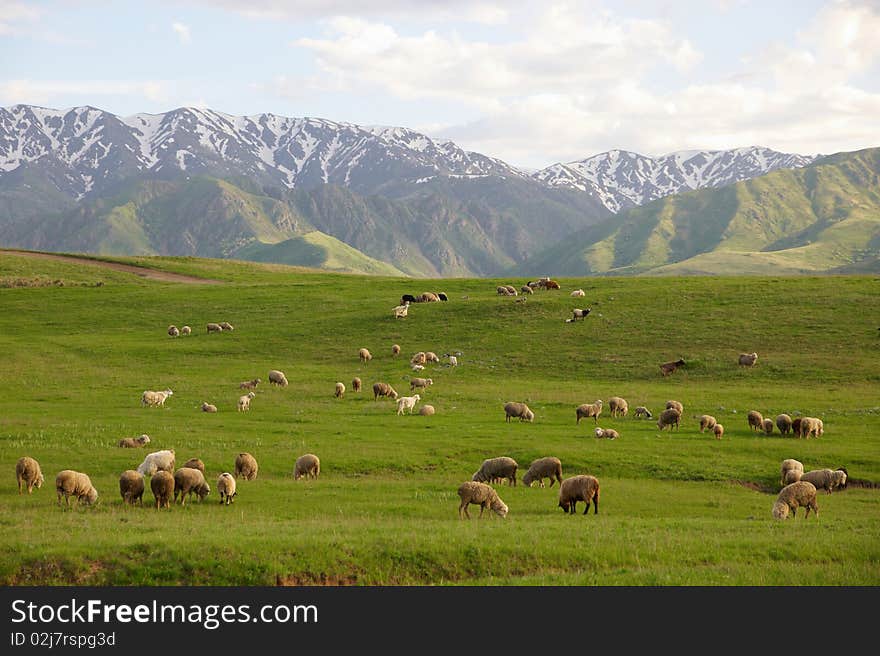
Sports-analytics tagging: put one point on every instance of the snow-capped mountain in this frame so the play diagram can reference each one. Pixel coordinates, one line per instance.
(621, 179)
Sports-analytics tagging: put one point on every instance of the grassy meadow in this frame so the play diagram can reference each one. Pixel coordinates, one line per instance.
(80, 343)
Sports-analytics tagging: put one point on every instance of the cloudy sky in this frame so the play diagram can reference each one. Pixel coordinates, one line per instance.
(532, 82)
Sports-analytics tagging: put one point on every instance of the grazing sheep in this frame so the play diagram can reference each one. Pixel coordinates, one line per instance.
(407, 298)
(618, 406)
(481, 494)
(250, 384)
(453, 361)
(70, 483)
(428, 297)
(501, 468)
(131, 487)
(214, 328)
(549, 467)
(405, 403)
(801, 494)
(186, 330)
(225, 325)
(162, 486)
(365, 355)
(173, 331)
(419, 383)
(383, 389)
(28, 474)
(707, 422)
(504, 290)
(525, 289)
(748, 359)
(188, 481)
(246, 466)
(643, 413)
(669, 417)
(610, 433)
(395, 350)
(551, 284)
(277, 378)
(155, 399)
(578, 313)
(811, 427)
(355, 384)
(668, 368)
(226, 488)
(307, 465)
(675, 404)
(426, 410)
(208, 407)
(756, 420)
(195, 463)
(430, 356)
(587, 410)
(157, 461)
(718, 430)
(400, 311)
(783, 423)
(578, 293)
(582, 487)
(517, 409)
(790, 464)
(768, 426)
(826, 479)
(340, 390)
(419, 358)
(244, 402)
(134, 442)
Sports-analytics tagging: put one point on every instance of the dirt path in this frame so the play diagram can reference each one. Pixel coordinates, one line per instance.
(143, 272)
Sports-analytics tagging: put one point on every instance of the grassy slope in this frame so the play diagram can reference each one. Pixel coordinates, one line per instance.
(76, 359)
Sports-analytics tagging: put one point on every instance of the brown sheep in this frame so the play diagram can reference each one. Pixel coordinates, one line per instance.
(783, 423)
(748, 359)
(800, 494)
(69, 483)
(582, 487)
(162, 486)
(675, 404)
(618, 406)
(768, 426)
(383, 389)
(756, 420)
(587, 410)
(549, 467)
(482, 494)
(355, 384)
(669, 417)
(195, 463)
(718, 430)
(189, 481)
(246, 466)
(134, 442)
(131, 487)
(518, 409)
(395, 350)
(668, 368)
(250, 384)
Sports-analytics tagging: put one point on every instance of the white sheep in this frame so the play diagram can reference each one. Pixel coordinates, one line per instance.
(246, 466)
(155, 399)
(244, 402)
(453, 361)
(186, 330)
(401, 311)
(226, 488)
(811, 427)
(549, 467)
(365, 355)
(826, 479)
(395, 350)
(405, 403)
(481, 494)
(707, 422)
(188, 481)
(419, 358)
(578, 293)
(173, 331)
(157, 461)
(579, 313)
(131, 487)
(518, 409)
(208, 407)
(28, 474)
(430, 356)
(225, 325)
(586, 410)
(306, 466)
(277, 378)
(801, 494)
(417, 367)
(768, 426)
(618, 406)
(609, 433)
(718, 431)
(340, 390)
(582, 487)
(70, 483)
(214, 328)
(790, 464)
(134, 442)
(501, 468)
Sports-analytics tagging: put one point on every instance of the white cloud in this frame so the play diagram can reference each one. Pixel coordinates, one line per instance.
(50, 92)
(13, 14)
(183, 32)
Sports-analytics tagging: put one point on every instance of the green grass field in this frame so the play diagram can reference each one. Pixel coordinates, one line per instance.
(677, 508)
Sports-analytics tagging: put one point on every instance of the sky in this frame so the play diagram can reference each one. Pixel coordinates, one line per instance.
(532, 82)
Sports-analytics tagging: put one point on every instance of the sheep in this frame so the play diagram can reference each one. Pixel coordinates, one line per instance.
(578, 293)
(442, 296)
(188, 481)
(208, 407)
(718, 431)
(783, 423)
(551, 284)
(134, 442)
(400, 311)
(811, 427)
(748, 359)
(826, 479)
(504, 290)
(707, 422)
(790, 464)
(157, 461)
(405, 403)
(503, 468)
(417, 367)
(162, 487)
(796, 426)
(355, 384)
(549, 467)
(430, 356)
(768, 426)
(672, 403)
(791, 476)
(395, 350)
(618, 406)
(277, 378)
(582, 487)
(427, 297)
(383, 389)
(525, 289)
(195, 463)
(155, 399)
(70, 483)
(306, 466)
(426, 410)
(642, 412)
(250, 384)
(518, 409)
(586, 410)
(795, 495)
(419, 358)
(28, 474)
(225, 325)
(668, 368)
(481, 494)
(226, 488)
(244, 402)
(669, 417)
(246, 466)
(407, 298)
(340, 390)
(579, 313)
(365, 355)
(186, 330)
(173, 331)
(610, 433)
(214, 328)
(756, 420)
(419, 383)
(131, 487)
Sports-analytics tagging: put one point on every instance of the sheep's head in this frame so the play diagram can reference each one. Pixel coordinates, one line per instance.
(780, 510)
(40, 480)
(91, 496)
(500, 507)
(599, 432)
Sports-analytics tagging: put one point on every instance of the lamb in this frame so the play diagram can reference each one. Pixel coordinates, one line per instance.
(131, 487)
(426, 410)
(419, 383)
(400, 311)
(768, 426)
(277, 378)
(610, 433)
(70, 483)
(675, 404)
(162, 486)
(578, 313)
(226, 488)
(549, 467)
(157, 461)
(28, 474)
(718, 430)
(794, 496)
(395, 350)
(250, 384)
(518, 409)
(307, 466)
(383, 389)
(225, 325)
(246, 466)
(195, 463)
(748, 359)
(208, 407)
(186, 330)
(668, 368)
(783, 423)
(453, 361)
(173, 331)
(214, 328)
(188, 481)
(707, 422)
(582, 487)
(503, 468)
(155, 399)
(826, 479)
(134, 442)
(756, 420)
(244, 402)
(587, 410)
(365, 355)
(578, 293)
(669, 417)
(405, 403)
(618, 406)
(643, 412)
(790, 464)
(340, 390)
(481, 494)
(355, 384)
